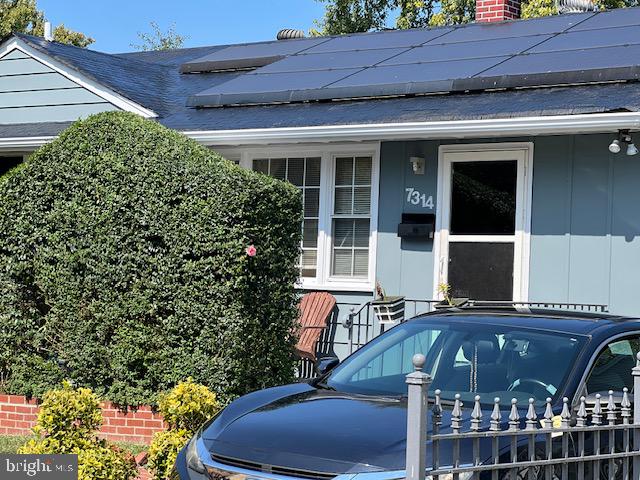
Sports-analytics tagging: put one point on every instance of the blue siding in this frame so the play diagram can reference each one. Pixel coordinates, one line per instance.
(32, 92)
(585, 244)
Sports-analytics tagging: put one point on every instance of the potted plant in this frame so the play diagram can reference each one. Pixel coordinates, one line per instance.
(447, 300)
(388, 309)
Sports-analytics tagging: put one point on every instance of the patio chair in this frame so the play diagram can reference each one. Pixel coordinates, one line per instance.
(315, 311)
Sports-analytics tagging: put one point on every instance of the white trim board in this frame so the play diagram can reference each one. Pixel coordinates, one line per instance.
(460, 129)
(82, 80)
(523, 153)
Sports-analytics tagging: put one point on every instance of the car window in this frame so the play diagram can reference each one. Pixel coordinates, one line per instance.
(612, 368)
(475, 358)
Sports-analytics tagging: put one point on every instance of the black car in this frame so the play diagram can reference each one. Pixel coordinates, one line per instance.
(350, 422)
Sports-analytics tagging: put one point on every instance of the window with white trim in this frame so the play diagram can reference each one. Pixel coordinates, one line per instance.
(304, 173)
(338, 186)
(351, 217)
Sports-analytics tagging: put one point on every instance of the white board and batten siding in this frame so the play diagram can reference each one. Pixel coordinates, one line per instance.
(32, 92)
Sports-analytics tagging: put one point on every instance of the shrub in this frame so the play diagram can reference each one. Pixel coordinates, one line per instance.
(123, 266)
(185, 409)
(164, 450)
(67, 424)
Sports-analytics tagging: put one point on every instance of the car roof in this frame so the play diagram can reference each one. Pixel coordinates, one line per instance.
(571, 322)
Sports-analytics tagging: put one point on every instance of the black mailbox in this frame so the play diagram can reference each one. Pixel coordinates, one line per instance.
(417, 225)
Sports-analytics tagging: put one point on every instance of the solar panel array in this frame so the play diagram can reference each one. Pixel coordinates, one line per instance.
(557, 50)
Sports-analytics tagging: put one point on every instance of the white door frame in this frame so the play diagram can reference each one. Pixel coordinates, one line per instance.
(523, 154)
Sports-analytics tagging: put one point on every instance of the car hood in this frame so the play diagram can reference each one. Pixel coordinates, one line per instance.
(299, 427)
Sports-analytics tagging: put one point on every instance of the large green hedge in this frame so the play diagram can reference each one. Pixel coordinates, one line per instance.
(123, 266)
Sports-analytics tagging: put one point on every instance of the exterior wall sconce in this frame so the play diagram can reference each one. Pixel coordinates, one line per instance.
(417, 165)
(624, 138)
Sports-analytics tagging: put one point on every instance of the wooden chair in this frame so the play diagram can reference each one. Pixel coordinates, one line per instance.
(315, 310)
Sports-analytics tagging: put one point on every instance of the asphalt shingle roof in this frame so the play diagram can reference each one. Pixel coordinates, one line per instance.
(153, 80)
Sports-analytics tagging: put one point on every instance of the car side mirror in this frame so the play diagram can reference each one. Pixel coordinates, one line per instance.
(325, 364)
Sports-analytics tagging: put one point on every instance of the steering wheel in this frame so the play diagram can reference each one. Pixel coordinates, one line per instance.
(533, 381)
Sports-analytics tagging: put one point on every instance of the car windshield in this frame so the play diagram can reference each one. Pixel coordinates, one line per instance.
(466, 358)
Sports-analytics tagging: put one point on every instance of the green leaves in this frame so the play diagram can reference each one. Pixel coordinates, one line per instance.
(123, 266)
(25, 17)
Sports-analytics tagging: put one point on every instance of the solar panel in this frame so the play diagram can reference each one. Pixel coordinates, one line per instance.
(463, 50)
(329, 61)
(402, 75)
(270, 87)
(588, 39)
(520, 28)
(577, 60)
(249, 55)
(556, 50)
(619, 17)
(394, 39)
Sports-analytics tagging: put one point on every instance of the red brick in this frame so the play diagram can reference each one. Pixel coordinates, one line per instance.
(118, 422)
(126, 431)
(134, 422)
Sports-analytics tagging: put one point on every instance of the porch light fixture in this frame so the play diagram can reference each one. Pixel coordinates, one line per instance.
(614, 147)
(624, 138)
(417, 165)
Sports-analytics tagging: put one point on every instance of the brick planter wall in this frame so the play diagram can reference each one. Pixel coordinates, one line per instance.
(18, 416)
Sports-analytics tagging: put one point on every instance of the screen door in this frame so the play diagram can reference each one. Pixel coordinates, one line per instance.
(481, 250)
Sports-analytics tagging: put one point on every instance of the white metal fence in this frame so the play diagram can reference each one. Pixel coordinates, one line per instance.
(599, 441)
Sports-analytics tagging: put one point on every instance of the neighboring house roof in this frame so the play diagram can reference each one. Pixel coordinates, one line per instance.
(595, 48)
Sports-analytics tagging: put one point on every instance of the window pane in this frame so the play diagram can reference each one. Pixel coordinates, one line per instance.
(363, 171)
(361, 200)
(295, 171)
(344, 171)
(309, 262)
(311, 202)
(481, 271)
(612, 369)
(361, 236)
(342, 262)
(483, 198)
(278, 168)
(312, 174)
(343, 232)
(310, 234)
(261, 165)
(343, 200)
(361, 263)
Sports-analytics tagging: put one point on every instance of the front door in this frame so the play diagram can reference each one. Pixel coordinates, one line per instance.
(483, 223)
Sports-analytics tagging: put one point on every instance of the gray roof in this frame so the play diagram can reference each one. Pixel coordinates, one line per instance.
(153, 80)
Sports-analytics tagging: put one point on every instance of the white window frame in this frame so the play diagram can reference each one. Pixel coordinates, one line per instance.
(449, 154)
(327, 153)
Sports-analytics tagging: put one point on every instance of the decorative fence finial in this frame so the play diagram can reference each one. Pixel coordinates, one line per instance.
(418, 361)
(456, 414)
(611, 409)
(548, 415)
(581, 418)
(476, 414)
(496, 416)
(532, 418)
(565, 415)
(596, 414)
(626, 406)
(514, 416)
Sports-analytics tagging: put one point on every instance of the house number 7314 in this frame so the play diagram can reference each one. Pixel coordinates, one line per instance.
(414, 197)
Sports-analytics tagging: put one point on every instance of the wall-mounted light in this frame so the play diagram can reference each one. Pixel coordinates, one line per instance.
(417, 165)
(624, 138)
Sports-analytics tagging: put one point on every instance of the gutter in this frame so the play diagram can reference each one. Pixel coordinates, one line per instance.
(455, 129)
(458, 129)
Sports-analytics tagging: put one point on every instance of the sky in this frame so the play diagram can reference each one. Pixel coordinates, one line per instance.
(114, 24)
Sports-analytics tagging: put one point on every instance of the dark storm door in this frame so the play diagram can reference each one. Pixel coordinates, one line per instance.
(482, 229)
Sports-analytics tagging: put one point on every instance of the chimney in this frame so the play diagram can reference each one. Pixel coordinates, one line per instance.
(497, 10)
(48, 32)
